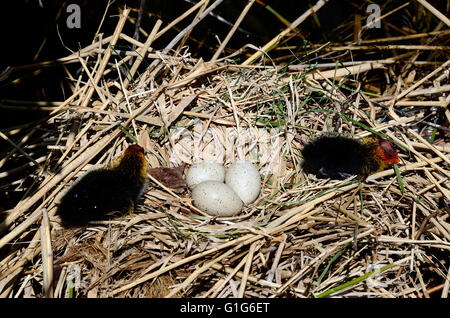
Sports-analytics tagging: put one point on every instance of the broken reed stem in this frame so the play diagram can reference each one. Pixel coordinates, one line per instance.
(436, 12)
(188, 29)
(446, 287)
(270, 45)
(430, 146)
(373, 21)
(141, 54)
(221, 284)
(404, 37)
(4, 137)
(188, 33)
(420, 82)
(444, 191)
(352, 216)
(31, 251)
(133, 123)
(233, 29)
(97, 89)
(388, 47)
(106, 56)
(155, 121)
(345, 71)
(47, 256)
(248, 264)
(180, 18)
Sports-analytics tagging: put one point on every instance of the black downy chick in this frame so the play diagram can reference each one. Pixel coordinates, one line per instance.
(339, 157)
(103, 191)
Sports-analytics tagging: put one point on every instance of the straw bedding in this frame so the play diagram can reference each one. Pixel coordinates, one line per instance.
(304, 237)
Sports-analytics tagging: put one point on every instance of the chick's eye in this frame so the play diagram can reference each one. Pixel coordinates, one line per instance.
(388, 148)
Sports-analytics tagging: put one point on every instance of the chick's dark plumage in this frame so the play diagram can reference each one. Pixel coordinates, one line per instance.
(97, 193)
(339, 157)
(104, 191)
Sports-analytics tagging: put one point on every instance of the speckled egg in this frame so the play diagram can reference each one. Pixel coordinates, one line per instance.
(205, 171)
(216, 198)
(243, 177)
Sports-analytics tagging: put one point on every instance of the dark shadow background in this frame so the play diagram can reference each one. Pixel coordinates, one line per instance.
(30, 35)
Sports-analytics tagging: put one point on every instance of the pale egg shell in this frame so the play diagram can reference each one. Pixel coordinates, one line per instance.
(205, 171)
(243, 177)
(216, 198)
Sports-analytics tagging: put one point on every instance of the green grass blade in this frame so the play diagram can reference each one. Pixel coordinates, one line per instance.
(125, 131)
(354, 281)
(332, 260)
(399, 178)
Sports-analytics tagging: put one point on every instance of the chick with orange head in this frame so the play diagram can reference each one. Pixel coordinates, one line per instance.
(100, 193)
(339, 157)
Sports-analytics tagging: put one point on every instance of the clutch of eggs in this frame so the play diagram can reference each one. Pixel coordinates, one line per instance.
(210, 194)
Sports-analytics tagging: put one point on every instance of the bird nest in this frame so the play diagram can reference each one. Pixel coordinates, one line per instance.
(388, 236)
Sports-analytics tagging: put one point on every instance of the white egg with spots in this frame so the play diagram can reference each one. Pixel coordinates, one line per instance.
(205, 171)
(216, 198)
(243, 177)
